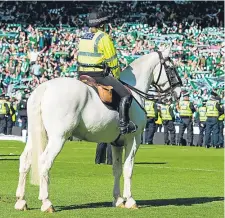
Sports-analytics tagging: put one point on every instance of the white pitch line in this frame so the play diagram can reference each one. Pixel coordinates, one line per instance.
(163, 167)
(8, 147)
(182, 168)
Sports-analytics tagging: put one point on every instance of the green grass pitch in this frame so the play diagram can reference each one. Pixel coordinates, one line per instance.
(174, 182)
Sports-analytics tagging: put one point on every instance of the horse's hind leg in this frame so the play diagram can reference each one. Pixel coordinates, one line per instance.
(117, 172)
(53, 148)
(25, 163)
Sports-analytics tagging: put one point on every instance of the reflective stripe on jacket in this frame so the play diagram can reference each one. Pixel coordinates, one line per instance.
(95, 49)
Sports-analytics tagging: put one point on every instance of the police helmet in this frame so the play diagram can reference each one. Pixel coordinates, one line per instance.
(204, 102)
(96, 18)
(214, 96)
(7, 97)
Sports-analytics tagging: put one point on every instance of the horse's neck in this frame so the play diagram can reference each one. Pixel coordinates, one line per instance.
(140, 73)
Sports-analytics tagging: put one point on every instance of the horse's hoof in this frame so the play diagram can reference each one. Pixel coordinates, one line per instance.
(50, 209)
(25, 207)
(131, 204)
(21, 205)
(134, 207)
(47, 206)
(119, 202)
(121, 205)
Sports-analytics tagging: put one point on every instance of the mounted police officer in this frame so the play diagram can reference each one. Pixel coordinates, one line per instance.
(4, 111)
(201, 123)
(168, 118)
(221, 127)
(152, 115)
(186, 110)
(213, 111)
(97, 58)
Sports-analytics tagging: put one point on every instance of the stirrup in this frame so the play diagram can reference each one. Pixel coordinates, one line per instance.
(129, 128)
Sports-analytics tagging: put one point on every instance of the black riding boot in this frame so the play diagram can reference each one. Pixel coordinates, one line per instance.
(125, 125)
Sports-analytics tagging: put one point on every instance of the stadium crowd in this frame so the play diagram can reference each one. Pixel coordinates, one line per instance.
(38, 42)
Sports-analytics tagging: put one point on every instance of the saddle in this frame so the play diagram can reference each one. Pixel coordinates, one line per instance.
(104, 92)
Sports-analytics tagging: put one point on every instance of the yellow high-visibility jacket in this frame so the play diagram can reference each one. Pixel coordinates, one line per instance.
(95, 49)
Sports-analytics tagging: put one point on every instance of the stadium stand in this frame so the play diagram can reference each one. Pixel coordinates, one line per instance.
(38, 40)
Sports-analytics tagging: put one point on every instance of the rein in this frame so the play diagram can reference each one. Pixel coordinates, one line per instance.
(170, 75)
(139, 92)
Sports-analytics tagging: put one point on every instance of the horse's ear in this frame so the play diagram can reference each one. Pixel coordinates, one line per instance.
(166, 52)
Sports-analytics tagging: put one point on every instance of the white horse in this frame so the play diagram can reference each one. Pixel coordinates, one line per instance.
(60, 108)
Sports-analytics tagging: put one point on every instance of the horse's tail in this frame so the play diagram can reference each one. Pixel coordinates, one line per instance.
(36, 131)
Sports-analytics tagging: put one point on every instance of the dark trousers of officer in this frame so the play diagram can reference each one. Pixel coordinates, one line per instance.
(9, 124)
(2, 124)
(103, 152)
(212, 125)
(150, 130)
(24, 122)
(221, 138)
(158, 126)
(202, 126)
(169, 127)
(186, 122)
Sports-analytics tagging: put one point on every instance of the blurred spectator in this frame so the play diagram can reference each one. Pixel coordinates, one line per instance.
(38, 40)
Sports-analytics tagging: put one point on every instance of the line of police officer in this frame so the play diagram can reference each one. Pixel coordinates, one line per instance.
(8, 108)
(211, 120)
(165, 113)
(7, 115)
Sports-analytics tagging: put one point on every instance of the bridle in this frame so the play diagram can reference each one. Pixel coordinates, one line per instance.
(172, 76)
(171, 73)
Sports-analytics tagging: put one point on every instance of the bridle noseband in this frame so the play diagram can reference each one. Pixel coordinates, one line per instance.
(171, 73)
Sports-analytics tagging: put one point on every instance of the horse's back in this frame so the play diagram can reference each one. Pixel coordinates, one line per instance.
(68, 105)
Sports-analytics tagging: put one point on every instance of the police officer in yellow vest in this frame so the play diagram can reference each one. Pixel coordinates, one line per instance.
(97, 58)
(152, 115)
(213, 111)
(186, 110)
(4, 111)
(168, 118)
(221, 126)
(9, 122)
(202, 123)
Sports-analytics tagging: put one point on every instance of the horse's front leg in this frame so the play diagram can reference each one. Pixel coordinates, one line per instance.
(117, 172)
(130, 151)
